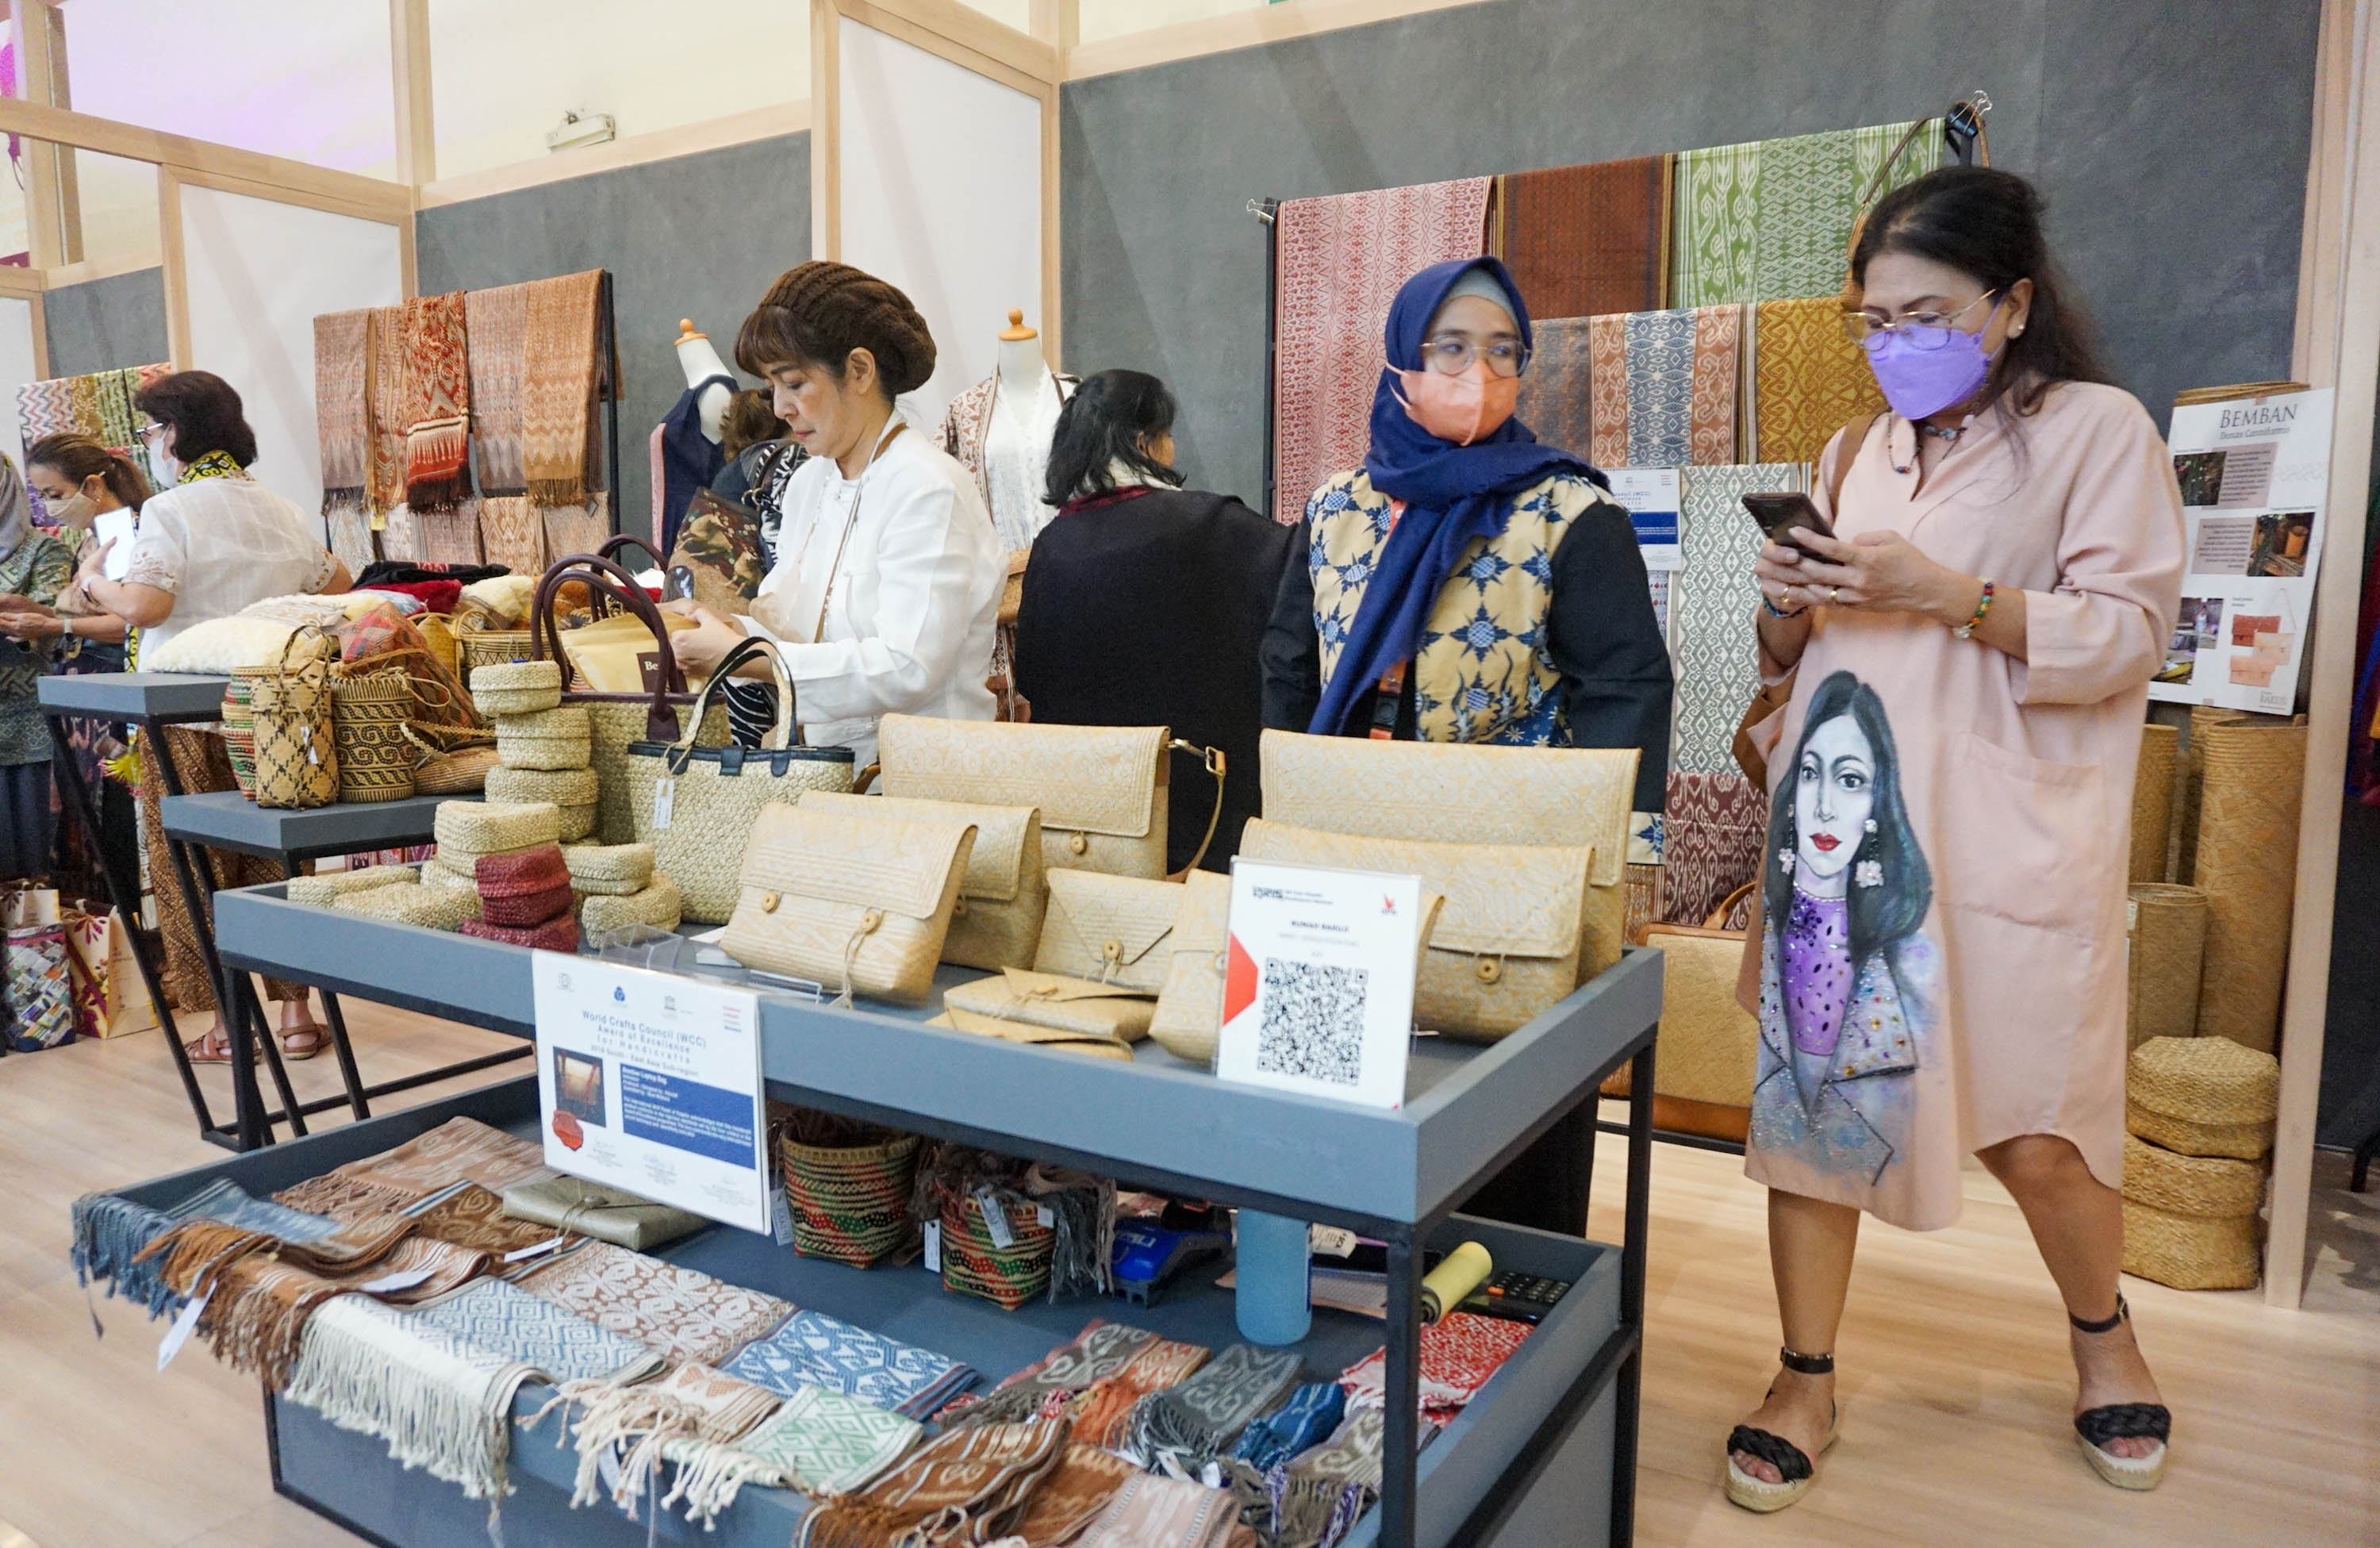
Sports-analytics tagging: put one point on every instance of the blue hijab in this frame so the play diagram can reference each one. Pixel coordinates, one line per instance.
(1453, 493)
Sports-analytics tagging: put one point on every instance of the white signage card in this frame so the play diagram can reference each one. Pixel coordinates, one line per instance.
(1651, 496)
(651, 1082)
(2253, 472)
(1317, 990)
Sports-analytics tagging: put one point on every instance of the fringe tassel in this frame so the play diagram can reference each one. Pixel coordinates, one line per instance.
(111, 1234)
(344, 1200)
(553, 493)
(711, 1475)
(435, 452)
(446, 1418)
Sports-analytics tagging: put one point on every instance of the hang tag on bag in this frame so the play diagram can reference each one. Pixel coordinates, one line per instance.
(179, 1333)
(534, 1250)
(995, 1219)
(1044, 1216)
(780, 1216)
(933, 1233)
(665, 802)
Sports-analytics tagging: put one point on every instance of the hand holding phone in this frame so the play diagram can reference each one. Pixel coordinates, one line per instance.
(1779, 515)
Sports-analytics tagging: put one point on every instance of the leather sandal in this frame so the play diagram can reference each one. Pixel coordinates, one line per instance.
(203, 1050)
(1793, 1464)
(316, 1031)
(2094, 1428)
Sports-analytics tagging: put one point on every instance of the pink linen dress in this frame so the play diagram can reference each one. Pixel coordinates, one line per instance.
(1939, 963)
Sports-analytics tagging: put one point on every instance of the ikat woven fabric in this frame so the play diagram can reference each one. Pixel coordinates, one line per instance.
(1557, 391)
(1716, 828)
(460, 1149)
(1102, 1412)
(1664, 387)
(820, 1442)
(1182, 1428)
(676, 1312)
(1809, 380)
(506, 1321)
(824, 1351)
(560, 337)
(473, 1216)
(1585, 239)
(387, 394)
(496, 331)
(342, 415)
(225, 1200)
(1100, 1350)
(1459, 1352)
(1073, 1493)
(1771, 220)
(1341, 262)
(1150, 1511)
(968, 1482)
(1714, 651)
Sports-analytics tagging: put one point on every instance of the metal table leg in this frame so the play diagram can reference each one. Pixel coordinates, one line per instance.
(1632, 1293)
(1401, 1431)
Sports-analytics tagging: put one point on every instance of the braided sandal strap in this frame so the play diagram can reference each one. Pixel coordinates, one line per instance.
(2124, 1421)
(1792, 1462)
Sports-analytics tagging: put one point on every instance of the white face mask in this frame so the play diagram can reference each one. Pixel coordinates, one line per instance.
(76, 510)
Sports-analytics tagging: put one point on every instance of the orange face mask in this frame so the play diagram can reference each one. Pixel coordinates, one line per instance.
(1460, 408)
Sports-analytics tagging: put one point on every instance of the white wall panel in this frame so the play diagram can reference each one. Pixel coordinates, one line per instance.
(16, 368)
(258, 274)
(941, 196)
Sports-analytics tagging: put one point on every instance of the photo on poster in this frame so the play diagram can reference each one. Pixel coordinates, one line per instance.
(2282, 540)
(2200, 475)
(2224, 545)
(2197, 628)
(578, 1086)
(2232, 479)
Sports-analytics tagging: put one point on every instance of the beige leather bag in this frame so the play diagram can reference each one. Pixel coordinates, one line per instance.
(1189, 1017)
(860, 905)
(997, 920)
(1045, 1008)
(1111, 930)
(1506, 946)
(1569, 797)
(1101, 789)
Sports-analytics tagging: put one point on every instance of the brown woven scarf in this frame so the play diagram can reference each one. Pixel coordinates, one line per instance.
(497, 332)
(342, 340)
(970, 1482)
(1077, 1489)
(438, 403)
(558, 387)
(386, 397)
(460, 1149)
(469, 1215)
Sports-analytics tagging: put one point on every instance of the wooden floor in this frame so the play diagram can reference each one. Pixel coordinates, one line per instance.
(1956, 1386)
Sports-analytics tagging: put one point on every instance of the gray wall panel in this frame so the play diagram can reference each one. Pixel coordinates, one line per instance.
(697, 237)
(108, 324)
(2170, 138)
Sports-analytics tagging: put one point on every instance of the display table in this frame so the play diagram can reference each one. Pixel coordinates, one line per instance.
(1547, 1453)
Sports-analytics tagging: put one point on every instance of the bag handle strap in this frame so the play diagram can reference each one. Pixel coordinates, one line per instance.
(1718, 919)
(781, 735)
(613, 547)
(1214, 762)
(607, 578)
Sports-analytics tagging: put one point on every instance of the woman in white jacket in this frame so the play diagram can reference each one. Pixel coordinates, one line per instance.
(886, 590)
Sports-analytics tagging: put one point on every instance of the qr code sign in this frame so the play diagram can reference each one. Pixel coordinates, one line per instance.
(1313, 1021)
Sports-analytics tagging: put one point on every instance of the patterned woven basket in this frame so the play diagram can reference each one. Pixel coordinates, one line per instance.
(449, 771)
(369, 721)
(297, 754)
(2190, 1251)
(559, 739)
(2203, 1096)
(973, 1264)
(848, 1188)
(239, 733)
(2206, 1186)
(491, 647)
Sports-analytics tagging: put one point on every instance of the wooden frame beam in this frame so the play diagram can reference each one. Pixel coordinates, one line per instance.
(963, 36)
(826, 130)
(685, 140)
(53, 191)
(64, 127)
(1263, 24)
(177, 268)
(417, 125)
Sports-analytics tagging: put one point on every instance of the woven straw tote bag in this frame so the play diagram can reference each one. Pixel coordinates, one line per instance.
(296, 753)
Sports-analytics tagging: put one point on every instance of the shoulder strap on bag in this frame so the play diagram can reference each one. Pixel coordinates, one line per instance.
(1854, 436)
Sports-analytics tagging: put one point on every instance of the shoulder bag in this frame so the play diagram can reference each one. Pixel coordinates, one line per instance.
(1112, 929)
(297, 753)
(695, 804)
(997, 922)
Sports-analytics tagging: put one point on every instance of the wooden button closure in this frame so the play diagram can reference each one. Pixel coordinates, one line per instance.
(768, 903)
(1079, 844)
(1112, 951)
(1490, 970)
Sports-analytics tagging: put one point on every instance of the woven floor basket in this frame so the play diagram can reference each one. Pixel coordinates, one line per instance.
(2168, 945)
(850, 1202)
(368, 716)
(2190, 1251)
(2206, 1185)
(239, 733)
(1007, 1276)
(2203, 1096)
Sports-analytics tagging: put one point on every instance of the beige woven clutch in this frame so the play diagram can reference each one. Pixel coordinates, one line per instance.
(1709, 1043)
(659, 906)
(320, 892)
(1113, 929)
(617, 869)
(1076, 1006)
(997, 921)
(494, 827)
(1100, 789)
(1506, 946)
(1566, 797)
(606, 1213)
(411, 902)
(860, 905)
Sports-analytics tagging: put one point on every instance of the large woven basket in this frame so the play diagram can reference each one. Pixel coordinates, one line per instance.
(2207, 1186)
(973, 1264)
(2168, 945)
(239, 733)
(368, 719)
(2202, 1096)
(2190, 1251)
(478, 647)
(848, 1186)
(2249, 797)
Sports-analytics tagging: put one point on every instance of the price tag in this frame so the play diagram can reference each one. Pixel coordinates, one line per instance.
(780, 1215)
(179, 1333)
(534, 1250)
(664, 801)
(1330, 1241)
(995, 1219)
(390, 1284)
(933, 1247)
(1044, 1216)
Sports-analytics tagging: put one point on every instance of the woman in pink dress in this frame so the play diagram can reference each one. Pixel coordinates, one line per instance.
(1939, 968)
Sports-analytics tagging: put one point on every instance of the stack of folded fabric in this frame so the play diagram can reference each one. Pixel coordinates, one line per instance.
(617, 888)
(525, 899)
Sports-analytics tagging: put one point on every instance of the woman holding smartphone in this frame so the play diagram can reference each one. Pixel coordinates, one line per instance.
(1939, 962)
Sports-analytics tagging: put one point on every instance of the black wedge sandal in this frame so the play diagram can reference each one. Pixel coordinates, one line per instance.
(1792, 1462)
(2122, 1421)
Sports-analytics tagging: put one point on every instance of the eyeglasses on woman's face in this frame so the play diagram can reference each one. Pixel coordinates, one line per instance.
(1919, 330)
(1452, 354)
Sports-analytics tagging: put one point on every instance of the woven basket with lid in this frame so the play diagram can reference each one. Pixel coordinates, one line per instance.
(2192, 1251)
(614, 868)
(2204, 1096)
(517, 688)
(2212, 1187)
(562, 738)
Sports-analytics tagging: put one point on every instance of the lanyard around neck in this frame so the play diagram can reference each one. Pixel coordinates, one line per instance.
(850, 521)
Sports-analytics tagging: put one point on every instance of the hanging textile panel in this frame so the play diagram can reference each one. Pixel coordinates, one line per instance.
(1557, 391)
(1585, 240)
(438, 402)
(1714, 651)
(343, 424)
(1808, 379)
(561, 338)
(98, 404)
(1771, 219)
(496, 337)
(1664, 387)
(387, 396)
(1342, 261)
(1713, 830)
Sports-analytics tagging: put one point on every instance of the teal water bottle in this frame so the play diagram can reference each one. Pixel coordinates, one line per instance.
(1272, 1304)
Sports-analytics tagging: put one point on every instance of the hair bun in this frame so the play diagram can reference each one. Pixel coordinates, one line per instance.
(821, 311)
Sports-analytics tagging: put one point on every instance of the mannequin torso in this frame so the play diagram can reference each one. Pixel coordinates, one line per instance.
(701, 363)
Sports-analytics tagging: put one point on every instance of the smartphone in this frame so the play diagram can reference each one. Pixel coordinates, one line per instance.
(1780, 514)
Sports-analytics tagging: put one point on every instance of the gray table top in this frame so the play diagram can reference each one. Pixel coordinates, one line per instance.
(136, 695)
(227, 820)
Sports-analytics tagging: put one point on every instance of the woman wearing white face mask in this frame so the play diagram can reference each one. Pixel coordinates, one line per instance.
(886, 586)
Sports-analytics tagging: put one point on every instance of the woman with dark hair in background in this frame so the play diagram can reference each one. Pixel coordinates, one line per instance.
(207, 547)
(1941, 966)
(1145, 603)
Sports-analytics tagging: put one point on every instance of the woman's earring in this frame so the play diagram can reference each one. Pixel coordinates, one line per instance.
(1868, 873)
(1785, 862)
(1871, 824)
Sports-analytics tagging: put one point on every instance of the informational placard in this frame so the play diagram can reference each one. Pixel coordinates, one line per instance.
(651, 1082)
(2253, 472)
(1653, 501)
(1318, 986)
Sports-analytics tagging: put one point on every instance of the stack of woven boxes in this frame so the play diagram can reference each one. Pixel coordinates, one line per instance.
(2199, 1110)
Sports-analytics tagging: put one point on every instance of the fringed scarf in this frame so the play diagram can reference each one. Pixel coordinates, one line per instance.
(460, 1149)
(1084, 1480)
(814, 1349)
(1100, 1350)
(818, 1442)
(1085, 1206)
(1303, 1422)
(968, 1483)
(1180, 1430)
(438, 403)
(1153, 1512)
(343, 422)
(496, 325)
(387, 398)
(450, 536)
(577, 528)
(558, 387)
(1319, 1497)
(678, 1313)
(469, 1215)
(1459, 1352)
(1102, 1412)
(506, 1320)
(693, 1402)
(110, 1233)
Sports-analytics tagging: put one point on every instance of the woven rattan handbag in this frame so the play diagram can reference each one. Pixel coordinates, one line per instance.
(859, 905)
(848, 1184)
(1506, 944)
(1568, 798)
(370, 723)
(696, 804)
(1111, 930)
(1101, 790)
(297, 754)
(997, 920)
(619, 719)
(1055, 1012)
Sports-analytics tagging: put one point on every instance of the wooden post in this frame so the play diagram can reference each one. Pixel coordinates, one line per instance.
(826, 129)
(417, 127)
(176, 271)
(53, 194)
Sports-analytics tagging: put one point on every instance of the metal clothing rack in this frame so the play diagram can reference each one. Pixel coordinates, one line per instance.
(1269, 210)
(608, 387)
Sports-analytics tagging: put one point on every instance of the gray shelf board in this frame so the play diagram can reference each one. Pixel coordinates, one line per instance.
(137, 695)
(1155, 1117)
(227, 820)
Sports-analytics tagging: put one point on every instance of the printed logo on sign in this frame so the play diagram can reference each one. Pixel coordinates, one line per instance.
(1389, 907)
(619, 994)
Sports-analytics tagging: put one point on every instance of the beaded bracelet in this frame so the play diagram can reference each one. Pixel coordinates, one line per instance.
(1967, 630)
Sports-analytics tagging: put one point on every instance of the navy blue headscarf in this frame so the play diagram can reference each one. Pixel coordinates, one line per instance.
(1453, 493)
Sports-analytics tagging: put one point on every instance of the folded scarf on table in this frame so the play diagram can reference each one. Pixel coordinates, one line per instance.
(438, 402)
(1301, 1423)
(504, 1319)
(460, 1149)
(1317, 1499)
(388, 400)
(1100, 1349)
(1182, 1428)
(817, 1349)
(1070, 1498)
(1459, 1352)
(495, 330)
(110, 1233)
(818, 1442)
(1150, 1511)
(1102, 1412)
(469, 1215)
(678, 1313)
(692, 1402)
(1665, 386)
(558, 378)
(1808, 379)
(1584, 240)
(969, 1483)
(1557, 390)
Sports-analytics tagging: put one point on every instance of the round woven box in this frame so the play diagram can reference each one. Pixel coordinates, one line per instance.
(973, 1264)
(429, 907)
(2168, 945)
(495, 827)
(2190, 1251)
(2206, 1096)
(848, 1187)
(517, 688)
(659, 906)
(319, 891)
(562, 787)
(614, 868)
(368, 722)
(2206, 1186)
(562, 738)
(578, 822)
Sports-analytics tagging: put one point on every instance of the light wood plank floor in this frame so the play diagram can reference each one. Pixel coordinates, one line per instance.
(1956, 1383)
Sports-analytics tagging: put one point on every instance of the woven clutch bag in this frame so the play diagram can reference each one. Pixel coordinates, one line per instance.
(2202, 1096)
(1111, 930)
(609, 868)
(1100, 789)
(1505, 948)
(562, 738)
(659, 906)
(606, 1213)
(494, 827)
(402, 902)
(320, 892)
(1006, 891)
(1076, 1006)
(464, 884)
(1710, 1044)
(861, 905)
(517, 688)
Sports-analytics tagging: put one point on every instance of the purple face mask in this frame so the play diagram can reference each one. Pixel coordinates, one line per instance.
(1917, 380)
